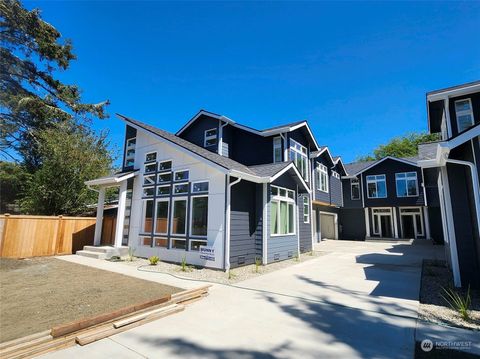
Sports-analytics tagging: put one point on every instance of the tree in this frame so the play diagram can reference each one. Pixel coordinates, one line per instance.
(403, 146)
(31, 98)
(12, 181)
(70, 155)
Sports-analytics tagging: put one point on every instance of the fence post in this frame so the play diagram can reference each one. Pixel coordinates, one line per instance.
(58, 236)
(4, 233)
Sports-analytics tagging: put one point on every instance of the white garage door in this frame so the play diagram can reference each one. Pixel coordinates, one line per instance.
(327, 226)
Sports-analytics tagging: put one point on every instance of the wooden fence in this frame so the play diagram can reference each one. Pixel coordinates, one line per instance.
(32, 236)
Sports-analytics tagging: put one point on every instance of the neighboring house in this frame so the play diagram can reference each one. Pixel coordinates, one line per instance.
(453, 164)
(384, 199)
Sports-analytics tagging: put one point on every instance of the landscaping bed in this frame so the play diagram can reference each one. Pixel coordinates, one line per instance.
(217, 276)
(39, 293)
(434, 308)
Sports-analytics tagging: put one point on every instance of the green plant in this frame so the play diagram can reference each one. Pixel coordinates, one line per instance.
(458, 302)
(258, 262)
(183, 264)
(297, 257)
(131, 252)
(153, 260)
(231, 275)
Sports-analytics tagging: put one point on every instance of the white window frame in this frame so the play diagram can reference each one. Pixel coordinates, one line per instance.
(163, 186)
(163, 174)
(278, 198)
(322, 171)
(379, 214)
(127, 147)
(179, 184)
(149, 177)
(175, 199)
(351, 188)
(149, 153)
(149, 164)
(463, 113)
(191, 213)
(418, 212)
(207, 138)
(298, 149)
(201, 192)
(144, 213)
(155, 233)
(306, 217)
(405, 179)
(376, 185)
(277, 144)
(335, 174)
(148, 187)
(167, 170)
(181, 180)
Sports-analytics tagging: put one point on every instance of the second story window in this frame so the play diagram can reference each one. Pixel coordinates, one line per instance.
(407, 185)
(282, 212)
(210, 137)
(464, 114)
(277, 149)
(376, 186)
(355, 188)
(298, 154)
(130, 152)
(321, 178)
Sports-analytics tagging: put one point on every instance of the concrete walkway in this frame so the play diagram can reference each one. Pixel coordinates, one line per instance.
(359, 300)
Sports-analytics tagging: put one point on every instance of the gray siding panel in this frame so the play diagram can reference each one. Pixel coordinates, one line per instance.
(305, 229)
(196, 132)
(335, 191)
(348, 202)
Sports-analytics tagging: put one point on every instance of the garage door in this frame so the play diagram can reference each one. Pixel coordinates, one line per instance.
(327, 226)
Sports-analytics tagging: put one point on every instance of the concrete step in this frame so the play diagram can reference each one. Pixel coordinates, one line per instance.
(90, 254)
(106, 251)
(100, 249)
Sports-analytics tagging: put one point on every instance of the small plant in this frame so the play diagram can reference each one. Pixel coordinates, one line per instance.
(458, 302)
(231, 275)
(183, 264)
(153, 260)
(131, 252)
(297, 257)
(258, 263)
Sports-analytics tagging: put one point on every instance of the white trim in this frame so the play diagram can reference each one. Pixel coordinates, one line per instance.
(463, 113)
(163, 174)
(149, 153)
(322, 171)
(143, 232)
(335, 223)
(165, 170)
(146, 188)
(278, 199)
(99, 219)
(155, 233)
(351, 191)
(419, 212)
(210, 137)
(274, 147)
(376, 185)
(175, 185)
(163, 186)
(183, 179)
(177, 199)
(227, 229)
(149, 164)
(122, 200)
(112, 180)
(206, 113)
(303, 209)
(299, 152)
(149, 176)
(201, 237)
(454, 92)
(395, 224)
(201, 192)
(384, 214)
(383, 159)
(367, 222)
(406, 179)
(264, 225)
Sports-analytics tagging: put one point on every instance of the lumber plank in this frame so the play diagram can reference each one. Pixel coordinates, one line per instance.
(25, 339)
(141, 316)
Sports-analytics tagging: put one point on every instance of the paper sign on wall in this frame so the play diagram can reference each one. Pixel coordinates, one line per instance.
(207, 253)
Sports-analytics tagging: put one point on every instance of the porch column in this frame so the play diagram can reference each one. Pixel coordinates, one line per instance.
(99, 222)
(395, 224)
(122, 199)
(427, 223)
(367, 223)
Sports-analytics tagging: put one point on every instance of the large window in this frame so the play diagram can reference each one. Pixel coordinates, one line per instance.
(321, 178)
(376, 186)
(298, 154)
(464, 114)
(277, 149)
(179, 217)
(407, 185)
(130, 152)
(355, 188)
(199, 214)
(306, 210)
(147, 224)
(210, 138)
(161, 217)
(282, 211)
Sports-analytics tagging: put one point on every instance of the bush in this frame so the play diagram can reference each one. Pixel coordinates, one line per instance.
(258, 262)
(458, 302)
(154, 260)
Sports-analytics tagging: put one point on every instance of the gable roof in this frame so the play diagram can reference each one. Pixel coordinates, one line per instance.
(356, 168)
(338, 160)
(265, 132)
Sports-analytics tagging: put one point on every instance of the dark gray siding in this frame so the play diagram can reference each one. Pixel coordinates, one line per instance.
(245, 224)
(389, 168)
(430, 178)
(195, 133)
(348, 202)
(130, 132)
(319, 195)
(352, 224)
(335, 191)
(248, 148)
(475, 98)
(305, 229)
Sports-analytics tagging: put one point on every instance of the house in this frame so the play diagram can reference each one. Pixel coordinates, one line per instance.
(216, 193)
(453, 164)
(384, 199)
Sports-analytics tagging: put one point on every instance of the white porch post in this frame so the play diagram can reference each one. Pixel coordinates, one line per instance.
(395, 224)
(122, 199)
(367, 223)
(98, 224)
(427, 223)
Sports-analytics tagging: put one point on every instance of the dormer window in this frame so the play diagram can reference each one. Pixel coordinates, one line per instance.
(210, 137)
(130, 152)
(298, 154)
(464, 114)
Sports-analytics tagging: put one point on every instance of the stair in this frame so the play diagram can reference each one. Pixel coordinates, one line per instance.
(102, 252)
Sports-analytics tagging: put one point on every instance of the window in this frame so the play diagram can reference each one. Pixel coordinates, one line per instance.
(298, 154)
(464, 114)
(195, 244)
(179, 217)
(407, 185)
(282, 212)
(150, 168)
(163, 190)
(146, 241)
(181, 176)
(165, 166)
(130, 152)
(277, 149)
(178, 243)
(147, 216)
(199, 187)
(322, 178)
(199, 216)
(355, 188)
(148, 191)
(335, 174)
(180, 188)
(149, 180)
(306, 210)
(376, 186)
(161, 217)
(151, 157)
(164, 177)
(161, 242)
(210, 138)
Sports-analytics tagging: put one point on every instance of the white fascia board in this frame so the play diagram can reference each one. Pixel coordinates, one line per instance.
(178, 147)
(248, 177)
(322, 151)
(454, 93)
(291, 166)
(206, 113)
(464, 137)
(112, 180)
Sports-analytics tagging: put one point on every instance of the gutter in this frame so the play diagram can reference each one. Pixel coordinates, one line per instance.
(227, 244)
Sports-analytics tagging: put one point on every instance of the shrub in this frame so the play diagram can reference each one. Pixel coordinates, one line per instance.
(183, 264)
(153, 260)
(459, 303)
(258, 262)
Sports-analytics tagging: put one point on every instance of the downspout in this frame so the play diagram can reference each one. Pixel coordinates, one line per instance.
(227, 244)
(285, 148)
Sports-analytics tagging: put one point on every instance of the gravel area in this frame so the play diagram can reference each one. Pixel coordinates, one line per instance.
(218, 276)
(433, 308)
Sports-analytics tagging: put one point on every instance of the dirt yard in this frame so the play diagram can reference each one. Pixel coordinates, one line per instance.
(39, 293)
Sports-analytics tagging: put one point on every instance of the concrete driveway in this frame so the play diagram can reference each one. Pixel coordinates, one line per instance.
(360, 299)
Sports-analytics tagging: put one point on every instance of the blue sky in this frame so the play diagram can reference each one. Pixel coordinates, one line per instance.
(358, 72)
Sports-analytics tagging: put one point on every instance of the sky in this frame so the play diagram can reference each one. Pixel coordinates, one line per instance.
(358, 72)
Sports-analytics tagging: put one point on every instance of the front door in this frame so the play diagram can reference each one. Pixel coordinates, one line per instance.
(408, 227)
(386, 226)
